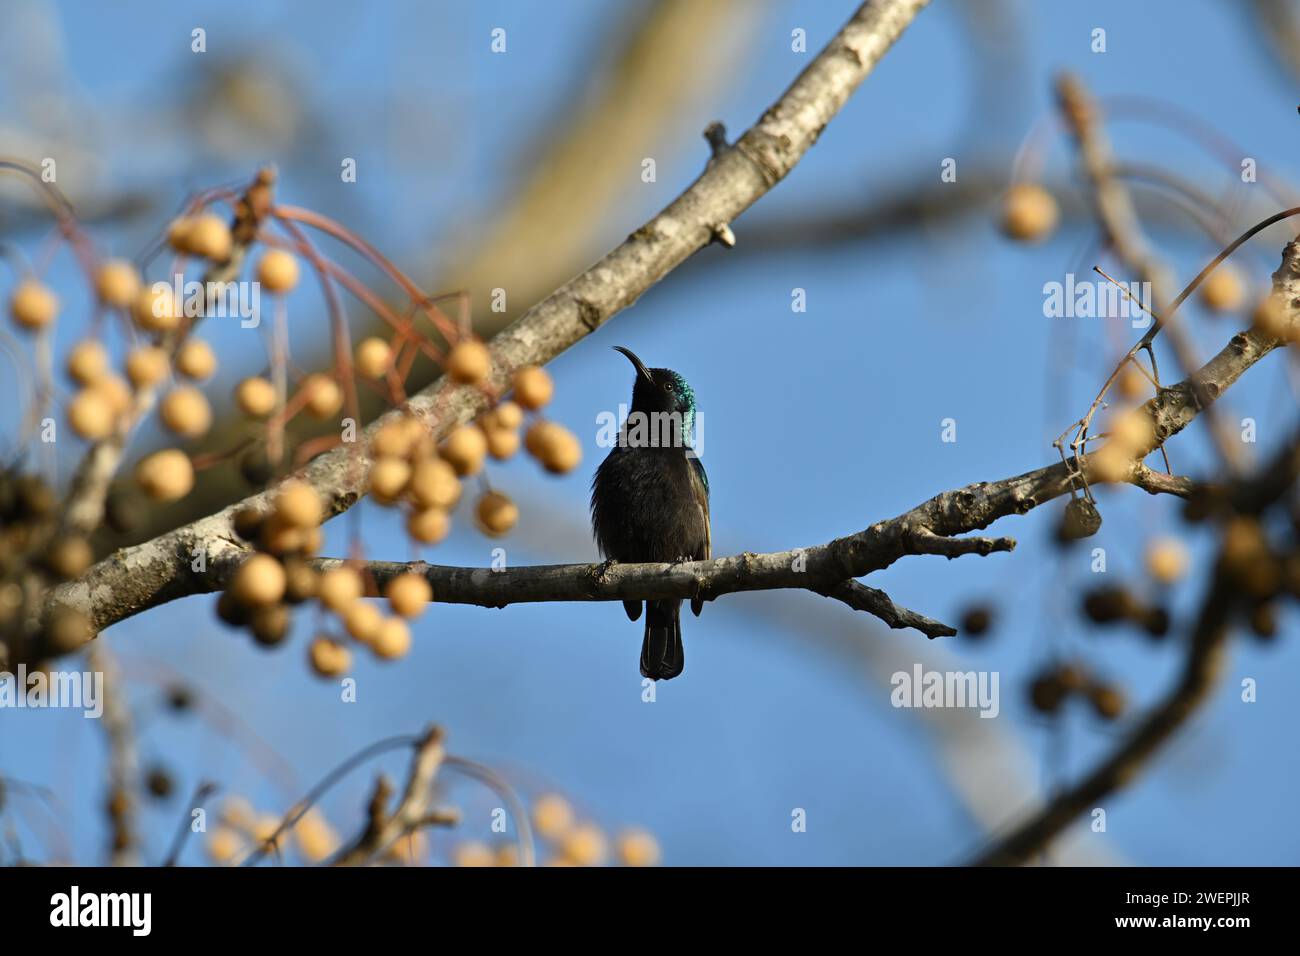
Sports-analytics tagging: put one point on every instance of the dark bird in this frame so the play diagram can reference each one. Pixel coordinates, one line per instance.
(650, 503)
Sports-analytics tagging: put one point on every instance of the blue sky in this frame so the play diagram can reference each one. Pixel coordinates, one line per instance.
(818, 424)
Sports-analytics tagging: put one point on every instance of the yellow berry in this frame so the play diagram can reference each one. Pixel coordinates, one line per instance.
(255, 397)
(117, 283)
(298, 505)
(1166, 560)
(1029, 213)
(638, 848)
(552, 816)
(90, 415)
(196, 360)
(469, 362)
(312, 538)
(277, 271)
(473, 853)
(259, 581)
(185, 411)
(1273, 319)
(434, 484)
(166, 475)
(223, 845)
(237, 812)
(533, 387)
(340, 587)
(32, 305)
(315, 837)
(115, 392)
(146, 366)
(409, 849)
(328, 657)
(208, 236)
(87, 362)
(396, 438)
(279, 537)
(373, 357)
(69, 556)
(323, 395)
(537, 437)
(584, 845)
(1112, 462)
(1132, 384)
(156, 309)
(465, 449)
(178, 234)
(392, 640)
(554, 446)
(428, 526)
(497, 514)
(388, 478)
(502, 443)
(505, 415)
(408, 594)
(362, 620)
(1223, 289)
(1133, 431)
(264, 828)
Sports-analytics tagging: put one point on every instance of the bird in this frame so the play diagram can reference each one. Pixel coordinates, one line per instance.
(650, 503)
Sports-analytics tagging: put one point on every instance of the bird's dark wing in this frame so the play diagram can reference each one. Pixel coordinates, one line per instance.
(700, 485)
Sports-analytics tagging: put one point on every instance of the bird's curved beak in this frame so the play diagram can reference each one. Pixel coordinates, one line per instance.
(640, 366)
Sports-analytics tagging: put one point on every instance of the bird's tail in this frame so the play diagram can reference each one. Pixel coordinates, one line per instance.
(662, 657)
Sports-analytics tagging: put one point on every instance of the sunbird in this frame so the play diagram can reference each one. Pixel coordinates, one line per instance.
(650, 503)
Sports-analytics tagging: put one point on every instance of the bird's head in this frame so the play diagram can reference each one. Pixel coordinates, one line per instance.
(661, 390)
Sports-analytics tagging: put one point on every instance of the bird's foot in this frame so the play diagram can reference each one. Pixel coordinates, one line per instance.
(602, 569)
(697, 601)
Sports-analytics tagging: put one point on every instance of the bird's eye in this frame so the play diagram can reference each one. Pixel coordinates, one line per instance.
(668, 386)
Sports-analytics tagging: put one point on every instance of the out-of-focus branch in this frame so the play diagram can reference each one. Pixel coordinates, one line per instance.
(1124, 234)
(1204, 661)
(123, 762)
(547, 229)
(1279, 31)
(414, 811)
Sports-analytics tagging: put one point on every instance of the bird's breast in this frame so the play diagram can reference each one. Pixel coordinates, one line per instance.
(644, 506)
